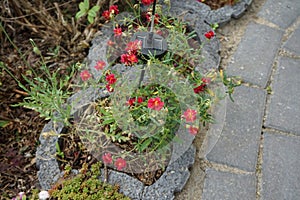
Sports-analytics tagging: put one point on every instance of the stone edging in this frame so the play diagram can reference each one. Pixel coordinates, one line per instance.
(220, 16)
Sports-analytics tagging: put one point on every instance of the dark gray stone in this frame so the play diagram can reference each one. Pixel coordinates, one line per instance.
(220, 16)
(281, 13)
(239, 140)
(253, 59)
(280, 167)
(129, 186)
(293, 43)
(284, 109)
(173, 179)
(223, 15)
(228, 186)
(48, 171)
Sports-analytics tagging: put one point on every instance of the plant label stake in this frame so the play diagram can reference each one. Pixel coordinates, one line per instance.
(152, 44)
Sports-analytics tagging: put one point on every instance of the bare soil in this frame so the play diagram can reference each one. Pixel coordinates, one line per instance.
(216, 4)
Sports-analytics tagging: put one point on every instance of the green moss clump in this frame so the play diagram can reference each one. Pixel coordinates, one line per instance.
(85, 186)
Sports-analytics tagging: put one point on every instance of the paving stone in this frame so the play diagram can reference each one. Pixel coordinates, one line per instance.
(280, 168)
(284, 110)
(253, 59)
(227, 186)
(293, 43)
(281, 13)
(239, 140)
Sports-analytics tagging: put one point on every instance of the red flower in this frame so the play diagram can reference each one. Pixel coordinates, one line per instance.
(107, 159)
(114, 9)
(111, 79)
(120, 163)
(85, 75)
(118, 31)
(193, 130)
(190, 115)
(205, 80)
(100, 65)
(140, 100)
(209, 34)
(147, 2)
(201, 87)
(131, 101)
(134, 46)
(156, 18)
(110, 43)
(106, 14)
(155, 103)
(132, 58)
(129, 59)
(109, 88)
(159, 32)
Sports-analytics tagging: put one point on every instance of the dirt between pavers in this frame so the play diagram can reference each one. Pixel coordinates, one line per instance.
(230, 36)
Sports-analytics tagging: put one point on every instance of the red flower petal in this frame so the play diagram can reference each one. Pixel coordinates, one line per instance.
(193, 130)
(109, 88)
(100, 65)
(106, 14)
(107, 159)
(110, 78)
(85, 75)
(190, 115)
(155, 103)
(209, 34)
(120, 163)
(147, 2)
(118, 31)
(114, 9)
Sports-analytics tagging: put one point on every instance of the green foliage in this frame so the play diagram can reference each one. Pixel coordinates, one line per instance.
(3, 123)
(86, 186)
(230, 83)
(84, 9)
(47, 92)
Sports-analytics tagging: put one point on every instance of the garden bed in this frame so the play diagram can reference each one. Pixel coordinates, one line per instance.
(176, 173)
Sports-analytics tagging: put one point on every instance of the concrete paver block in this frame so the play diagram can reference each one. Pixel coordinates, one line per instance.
(254, 57)
(227, 186)
(239, 140)
(280, 167)
(281, 13)
(284, 110)
(293, 43)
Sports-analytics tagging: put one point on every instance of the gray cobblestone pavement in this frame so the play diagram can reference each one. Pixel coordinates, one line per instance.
(258, 153)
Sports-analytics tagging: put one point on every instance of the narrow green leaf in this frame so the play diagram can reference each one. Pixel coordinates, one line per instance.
(92, 13)
(86, 4)
(90, 19)
(108, 121)
(145, 144)
(3, 123)
(80, 14)
(95, 8)
(83, 7)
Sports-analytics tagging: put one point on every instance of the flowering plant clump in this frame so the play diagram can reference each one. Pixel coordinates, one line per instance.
(157, 100)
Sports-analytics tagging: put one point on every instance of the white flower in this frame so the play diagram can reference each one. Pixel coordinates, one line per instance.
(43, 195)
